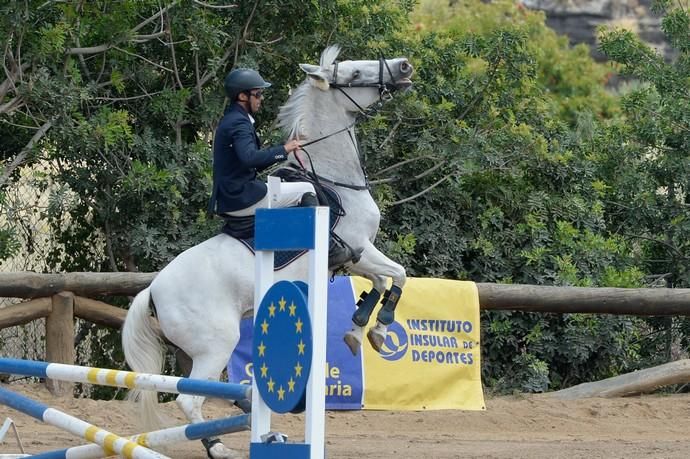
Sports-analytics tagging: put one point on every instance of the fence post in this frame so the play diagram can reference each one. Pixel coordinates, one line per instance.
(60, 339)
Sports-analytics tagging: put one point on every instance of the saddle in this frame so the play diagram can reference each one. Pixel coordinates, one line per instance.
(242, 228)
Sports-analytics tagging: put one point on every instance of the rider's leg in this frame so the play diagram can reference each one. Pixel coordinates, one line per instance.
(302, 194)
(291, 194)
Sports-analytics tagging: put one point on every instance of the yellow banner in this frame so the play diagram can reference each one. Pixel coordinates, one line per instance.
(431, 358)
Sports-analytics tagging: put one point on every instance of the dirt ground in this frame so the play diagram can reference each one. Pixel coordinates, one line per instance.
(526, 426)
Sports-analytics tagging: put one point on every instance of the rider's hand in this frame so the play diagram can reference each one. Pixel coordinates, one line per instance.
(292, 146)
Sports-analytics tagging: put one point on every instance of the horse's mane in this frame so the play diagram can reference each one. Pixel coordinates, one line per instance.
(292, 114)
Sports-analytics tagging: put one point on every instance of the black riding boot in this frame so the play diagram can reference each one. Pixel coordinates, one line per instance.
(309, 199)
(341, 253)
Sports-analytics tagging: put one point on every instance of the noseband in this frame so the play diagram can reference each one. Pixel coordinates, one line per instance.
(385, 88)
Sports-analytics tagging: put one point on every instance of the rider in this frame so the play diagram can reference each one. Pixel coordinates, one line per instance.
(237, 156)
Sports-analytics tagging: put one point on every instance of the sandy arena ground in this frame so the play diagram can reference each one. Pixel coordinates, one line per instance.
(515, 427)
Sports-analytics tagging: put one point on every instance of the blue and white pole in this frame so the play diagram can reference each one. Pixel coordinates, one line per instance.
(128, 379)
(292, 229)
(111, 443)
(159, 438)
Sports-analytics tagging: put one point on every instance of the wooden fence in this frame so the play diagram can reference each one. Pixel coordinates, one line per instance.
(62, 297)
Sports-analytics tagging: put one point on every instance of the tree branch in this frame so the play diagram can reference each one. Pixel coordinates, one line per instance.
(658, 241)
(217, 7)
(82, 62)
(402, 163)
(198, 80)
(19, 159)
(122, 99)
(145, 38)
(390, 134)
(270, 42)
(89, 50)
(172, 51)
(424, 191)
(11, 106)
(414, 178)
(144, 59)
(105, 47)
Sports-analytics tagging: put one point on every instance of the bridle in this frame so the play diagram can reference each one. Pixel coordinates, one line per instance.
(385, 94)
(385, 88)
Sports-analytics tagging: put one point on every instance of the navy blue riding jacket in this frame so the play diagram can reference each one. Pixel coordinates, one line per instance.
(237, 157)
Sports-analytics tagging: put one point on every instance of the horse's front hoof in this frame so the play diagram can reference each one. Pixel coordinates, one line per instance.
(353, 342)
(376, 337)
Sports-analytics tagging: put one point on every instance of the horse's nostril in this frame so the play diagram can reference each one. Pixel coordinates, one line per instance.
(405, 67)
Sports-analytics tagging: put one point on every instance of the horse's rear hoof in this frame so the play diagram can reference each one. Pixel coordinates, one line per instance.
(352, 342)
(376, 338)
(220, 451)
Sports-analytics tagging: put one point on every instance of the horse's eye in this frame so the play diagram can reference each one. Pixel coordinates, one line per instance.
(355, 74)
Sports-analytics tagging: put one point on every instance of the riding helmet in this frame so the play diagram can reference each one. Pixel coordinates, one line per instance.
(239, 80)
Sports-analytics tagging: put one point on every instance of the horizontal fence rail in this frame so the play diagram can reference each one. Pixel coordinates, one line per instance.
(515, 297)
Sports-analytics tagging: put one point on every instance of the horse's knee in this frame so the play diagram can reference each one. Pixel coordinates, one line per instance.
(399, 276)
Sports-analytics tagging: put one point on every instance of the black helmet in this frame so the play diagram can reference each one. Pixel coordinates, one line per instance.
(239, 80)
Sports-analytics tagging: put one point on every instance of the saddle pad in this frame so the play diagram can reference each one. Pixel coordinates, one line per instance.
(281, 259)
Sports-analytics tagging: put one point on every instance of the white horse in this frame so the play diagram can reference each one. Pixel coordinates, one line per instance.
(201, 296)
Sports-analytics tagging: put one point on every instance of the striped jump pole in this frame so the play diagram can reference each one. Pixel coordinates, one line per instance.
(111, 443)
(159, 437)
(128, 379)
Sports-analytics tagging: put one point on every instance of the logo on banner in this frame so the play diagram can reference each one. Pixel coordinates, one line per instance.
(395, 345)
(430, 341)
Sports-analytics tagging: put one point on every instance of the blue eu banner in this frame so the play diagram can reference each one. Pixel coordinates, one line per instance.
(344, 380)
(282, 347)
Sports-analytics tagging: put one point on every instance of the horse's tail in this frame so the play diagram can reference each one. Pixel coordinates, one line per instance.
(144, 353)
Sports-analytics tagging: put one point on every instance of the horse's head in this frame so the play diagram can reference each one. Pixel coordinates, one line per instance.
(360, 82)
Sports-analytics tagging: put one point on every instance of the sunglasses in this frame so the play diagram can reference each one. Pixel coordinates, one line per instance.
(258, 94)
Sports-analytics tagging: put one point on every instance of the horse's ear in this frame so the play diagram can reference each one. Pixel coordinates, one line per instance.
(317, 76)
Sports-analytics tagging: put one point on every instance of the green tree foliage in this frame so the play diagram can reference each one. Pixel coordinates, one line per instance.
(643, 158)
(486, 175)
(122, 98)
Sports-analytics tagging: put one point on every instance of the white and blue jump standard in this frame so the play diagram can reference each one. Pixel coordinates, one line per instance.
(289, 344)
